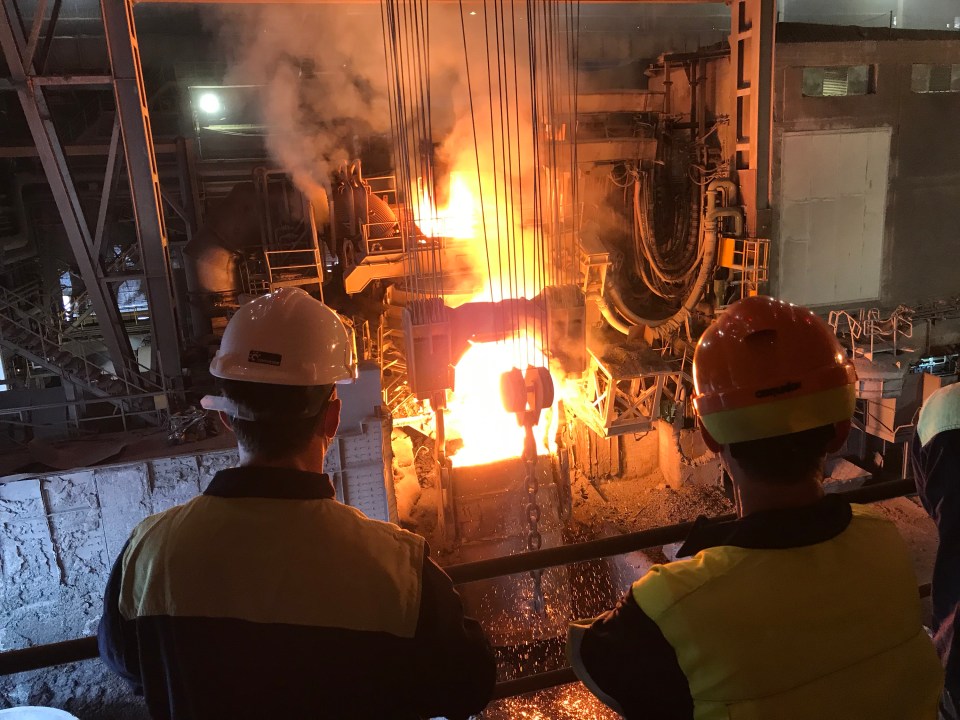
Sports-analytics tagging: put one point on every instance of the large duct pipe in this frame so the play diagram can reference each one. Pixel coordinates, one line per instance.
(610, 315)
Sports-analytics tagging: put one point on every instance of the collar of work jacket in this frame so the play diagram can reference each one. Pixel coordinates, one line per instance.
(773, 529)
(270, 482)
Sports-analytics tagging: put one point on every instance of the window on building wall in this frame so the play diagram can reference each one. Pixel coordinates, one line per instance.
(935, 78)
(839, 80)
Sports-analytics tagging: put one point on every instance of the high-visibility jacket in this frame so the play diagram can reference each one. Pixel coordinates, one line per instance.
(265, 597)
(804, 612)
(819, 631)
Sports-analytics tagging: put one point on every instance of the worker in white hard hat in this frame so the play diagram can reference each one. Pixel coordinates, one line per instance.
(935, 457)
(264, 597)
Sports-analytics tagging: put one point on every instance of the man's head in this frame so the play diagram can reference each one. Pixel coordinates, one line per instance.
(774, 391)
(290, 419)
(279, 361)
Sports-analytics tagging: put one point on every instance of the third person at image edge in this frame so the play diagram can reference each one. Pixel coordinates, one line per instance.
(265, 597)
(805, 606)
(935, 456)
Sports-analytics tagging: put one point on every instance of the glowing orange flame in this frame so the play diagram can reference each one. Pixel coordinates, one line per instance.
(459, 219)
(475, 410)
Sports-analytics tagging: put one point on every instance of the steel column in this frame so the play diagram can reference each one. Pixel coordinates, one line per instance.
(144, 181)
(752, 36)
(55, 167)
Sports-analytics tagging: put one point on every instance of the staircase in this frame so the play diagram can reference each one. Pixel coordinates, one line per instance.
(81, 303)
(291, 250)
(29, 331)
(397, 395)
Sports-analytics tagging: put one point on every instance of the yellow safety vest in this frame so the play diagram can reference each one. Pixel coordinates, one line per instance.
(315, 563)
(831, 630)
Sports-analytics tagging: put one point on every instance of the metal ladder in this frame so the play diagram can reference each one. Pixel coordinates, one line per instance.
(27, 330)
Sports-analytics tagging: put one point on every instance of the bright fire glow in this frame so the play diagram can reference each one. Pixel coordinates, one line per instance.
(475, 411)
(459, 219)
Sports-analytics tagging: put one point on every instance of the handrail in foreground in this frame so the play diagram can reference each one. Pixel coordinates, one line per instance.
(85, 648)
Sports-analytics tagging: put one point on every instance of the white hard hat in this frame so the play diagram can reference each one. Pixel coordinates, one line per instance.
(286, 338)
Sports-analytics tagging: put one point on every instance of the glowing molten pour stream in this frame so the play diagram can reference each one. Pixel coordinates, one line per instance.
(475, 411)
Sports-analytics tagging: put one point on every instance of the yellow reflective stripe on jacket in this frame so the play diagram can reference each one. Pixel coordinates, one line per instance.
(303, 562)
(807, 632)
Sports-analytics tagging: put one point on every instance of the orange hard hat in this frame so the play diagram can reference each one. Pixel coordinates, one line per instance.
(768, 368)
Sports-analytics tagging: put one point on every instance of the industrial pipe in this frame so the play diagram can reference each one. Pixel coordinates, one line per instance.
(610, 316)
(729, 189)
(711, 236)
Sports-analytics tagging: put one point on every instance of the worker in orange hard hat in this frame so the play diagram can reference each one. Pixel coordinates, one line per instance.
(805, 606)
(267, 598)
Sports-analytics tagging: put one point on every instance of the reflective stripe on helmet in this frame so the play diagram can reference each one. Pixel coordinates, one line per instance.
(781, 417)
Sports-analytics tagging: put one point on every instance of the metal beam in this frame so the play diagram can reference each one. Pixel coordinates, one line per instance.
(64, 193)
(108, 182)
(73, 150)
(752, 30)
(41, 65)
(34, 33)
(370, 2)
(59, 80)
(144, 180)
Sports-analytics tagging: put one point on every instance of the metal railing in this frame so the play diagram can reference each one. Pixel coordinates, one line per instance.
(41, 656)
(154, 415)
(28, 326)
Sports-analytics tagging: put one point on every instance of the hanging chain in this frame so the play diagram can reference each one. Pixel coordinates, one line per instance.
(534, 538)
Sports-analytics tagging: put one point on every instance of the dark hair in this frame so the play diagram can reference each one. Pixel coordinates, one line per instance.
(785, 459)
(291, 415)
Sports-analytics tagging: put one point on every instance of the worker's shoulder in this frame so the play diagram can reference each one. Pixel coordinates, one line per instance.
(157, 521)
(373, 526)
(868, 514)
(679, 578)
(940, 413)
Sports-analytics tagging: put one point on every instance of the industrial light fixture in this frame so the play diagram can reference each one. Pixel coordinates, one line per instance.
(209, 103)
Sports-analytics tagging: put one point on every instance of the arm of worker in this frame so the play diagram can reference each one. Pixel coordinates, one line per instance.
(117, 637)
(624, 659)
(455, 669)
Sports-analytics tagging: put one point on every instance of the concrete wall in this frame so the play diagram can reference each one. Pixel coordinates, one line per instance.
(927, 14)
(59, 536)
(922, 226)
